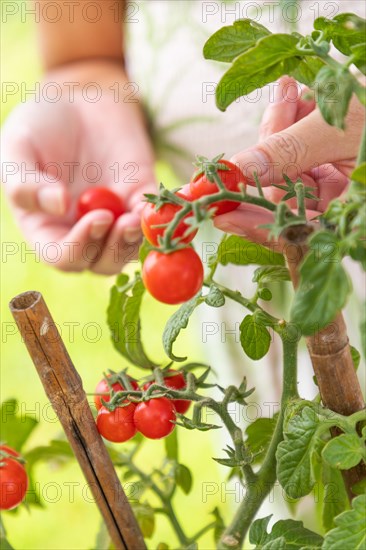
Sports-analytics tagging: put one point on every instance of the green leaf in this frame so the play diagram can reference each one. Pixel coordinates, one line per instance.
(359, 56)
(256, 67)
(351, 528)
(229, 42)
(259, 434)
(344, 452)
(359, 488)
(123, 316)
(215, 297)
(359, 174)
(171, 446)
(177, 322)
(335, 88)
(356, 357)
(285, 535)
(271, 274)
(183, 478)
(145, 248)
(255, 339)
(324, 285)
(145, 516)
(306, 71)
(335, 498)
(4, 543)
(219, 526)
(239, 251)
(15, 429)
(58, 451)
(294, 467)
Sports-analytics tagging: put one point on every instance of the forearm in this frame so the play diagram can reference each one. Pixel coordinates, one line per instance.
(82, 32)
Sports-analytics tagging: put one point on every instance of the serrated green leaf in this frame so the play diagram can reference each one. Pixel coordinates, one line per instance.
(335, 498)
(344, 452)
(271, 274)
(183, 478)
(15, 429)
(295, 535)
(255, 68)
(123, 316)
(145, 516)
(215, 297)
(239, 251)
(229, 42)
(324, 285)
(294, 467)
(351, 528)
(334, 89)
(177, 322)
(254, 337)
(259, 434)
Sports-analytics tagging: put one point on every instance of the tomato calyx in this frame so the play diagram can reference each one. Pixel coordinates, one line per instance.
(207, 167)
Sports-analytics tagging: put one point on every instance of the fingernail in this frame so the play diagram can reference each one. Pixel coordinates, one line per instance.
(98, 230)
(253, 160)
(231, 228)
(51, 200)
(132, 234)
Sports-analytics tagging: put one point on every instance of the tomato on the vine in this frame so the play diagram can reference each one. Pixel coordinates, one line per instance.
(175, 382)
(118, 425)
(152, 217)
(155, 418)
(173, 278)
(13, 480)
(103, 388)
(231, 178)
(97, 198)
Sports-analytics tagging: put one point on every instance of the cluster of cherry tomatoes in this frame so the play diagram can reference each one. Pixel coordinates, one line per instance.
(13, 479)
(153, 418)
(175, 277)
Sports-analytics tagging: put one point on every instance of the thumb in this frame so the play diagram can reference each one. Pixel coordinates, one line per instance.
(306, 144)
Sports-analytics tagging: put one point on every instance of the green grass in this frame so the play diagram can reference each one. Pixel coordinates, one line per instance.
(72, 521)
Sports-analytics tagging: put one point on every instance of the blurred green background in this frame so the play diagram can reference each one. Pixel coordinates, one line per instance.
(72, 522)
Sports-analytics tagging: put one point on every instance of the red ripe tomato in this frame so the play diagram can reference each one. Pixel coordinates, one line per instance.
(118, 425)
(201, 186)
(102, 387)
(173, 278)
(13, 480)
(97, 198)
(176, 382)
(154, 418)
(151, 217)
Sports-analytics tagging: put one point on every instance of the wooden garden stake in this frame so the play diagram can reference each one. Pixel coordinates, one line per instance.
(63, 387)
(329, 351)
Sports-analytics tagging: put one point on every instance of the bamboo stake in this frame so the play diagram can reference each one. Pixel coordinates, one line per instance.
(63, 387)
(329, 350)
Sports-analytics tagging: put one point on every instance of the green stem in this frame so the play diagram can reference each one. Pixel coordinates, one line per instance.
(300, 195)
(203, 531)
(356, 187)
(257, 491)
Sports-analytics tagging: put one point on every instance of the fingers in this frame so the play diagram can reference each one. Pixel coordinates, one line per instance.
(281, 113)
(307, 143)
(26, 186)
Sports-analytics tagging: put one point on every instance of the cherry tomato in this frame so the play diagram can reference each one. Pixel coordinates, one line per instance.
(13, 480)
(102, 387)
(201, 186)
(97, 198)
(173, 278)
(152, 217)
(176, 382)
(118, 425)
(154, 418)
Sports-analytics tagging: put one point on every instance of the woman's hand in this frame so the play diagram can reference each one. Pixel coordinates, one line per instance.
(295, 140)
(53, 151)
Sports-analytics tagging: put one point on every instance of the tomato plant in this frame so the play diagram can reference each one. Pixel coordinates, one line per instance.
(152, 220)
(174, 380)
(173, 278)
(155, 418)
(97, 198)
(102, 390)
